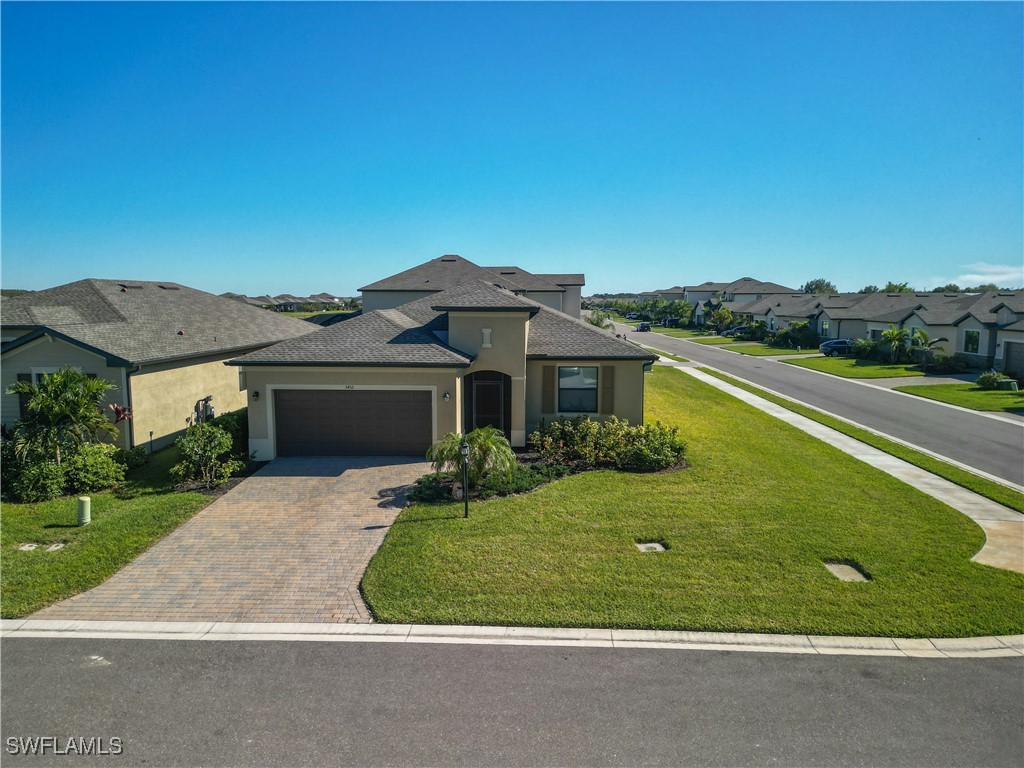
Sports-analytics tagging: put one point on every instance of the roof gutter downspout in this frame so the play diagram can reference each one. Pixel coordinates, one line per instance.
(125, 374)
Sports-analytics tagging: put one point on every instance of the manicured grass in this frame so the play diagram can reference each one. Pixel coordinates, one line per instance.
(854, 368)
(677, 358)
(714, 340)
(748, 526)
(997, 492)
(124, 524)
(762, 350)
(971, 396)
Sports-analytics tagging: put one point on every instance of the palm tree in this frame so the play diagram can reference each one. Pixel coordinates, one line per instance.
(896, 338)
(62, 412)
(600, 319)
(926, 345)
(489, 452)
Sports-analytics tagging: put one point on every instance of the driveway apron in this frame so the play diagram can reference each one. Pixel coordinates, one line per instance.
(288, 544)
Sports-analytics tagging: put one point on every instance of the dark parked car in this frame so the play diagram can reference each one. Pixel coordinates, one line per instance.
(643, 326)
(632, 316)
(834, 347)
(735, 331)
(670, 322)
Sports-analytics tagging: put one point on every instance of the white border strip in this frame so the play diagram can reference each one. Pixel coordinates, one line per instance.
(971, 647)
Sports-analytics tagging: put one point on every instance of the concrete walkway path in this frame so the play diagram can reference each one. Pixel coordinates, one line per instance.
(288, 544)
(1004, 527)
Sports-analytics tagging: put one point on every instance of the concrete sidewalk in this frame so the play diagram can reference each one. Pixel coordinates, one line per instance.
(1004, 527)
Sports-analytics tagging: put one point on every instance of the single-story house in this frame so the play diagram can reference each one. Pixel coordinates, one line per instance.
(557, 291)
(162, 344)
(394, 381)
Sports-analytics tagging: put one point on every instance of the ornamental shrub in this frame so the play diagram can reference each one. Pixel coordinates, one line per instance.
(93, 468)
(133, 457)
(236, 424)
(943, 363)
(586, 444)
(37, 481)
(991, 379)
(202, 449)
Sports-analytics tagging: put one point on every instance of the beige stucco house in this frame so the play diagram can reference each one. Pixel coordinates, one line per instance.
(394, 381)
(163, 345)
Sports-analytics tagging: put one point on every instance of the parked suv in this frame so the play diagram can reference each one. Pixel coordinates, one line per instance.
(670, 322)
(834, 347)
(735, 331)
(643, 326)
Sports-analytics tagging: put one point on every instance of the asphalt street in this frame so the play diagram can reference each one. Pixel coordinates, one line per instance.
(372, 704)
(987, 444)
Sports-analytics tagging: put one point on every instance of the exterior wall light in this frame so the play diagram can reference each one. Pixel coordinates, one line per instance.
(256, 395)
(446, 397)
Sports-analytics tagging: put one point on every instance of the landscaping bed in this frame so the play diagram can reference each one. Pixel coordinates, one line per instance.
(857, 368)
(971, 396)
(748, 528)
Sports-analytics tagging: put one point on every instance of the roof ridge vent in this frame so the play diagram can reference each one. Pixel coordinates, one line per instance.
(129, 286)
(169, 287)
(450, 257)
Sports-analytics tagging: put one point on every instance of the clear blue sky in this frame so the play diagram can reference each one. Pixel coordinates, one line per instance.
(318, 147)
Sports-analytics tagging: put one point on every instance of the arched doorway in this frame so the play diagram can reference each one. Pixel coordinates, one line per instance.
(488, 401)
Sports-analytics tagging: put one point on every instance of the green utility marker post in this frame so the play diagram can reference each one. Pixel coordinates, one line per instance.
(84, 510)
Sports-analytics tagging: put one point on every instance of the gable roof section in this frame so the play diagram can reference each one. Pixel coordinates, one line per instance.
(529, 281)
(144, 322)
(566, 279)
(412, 335)
(440, 274)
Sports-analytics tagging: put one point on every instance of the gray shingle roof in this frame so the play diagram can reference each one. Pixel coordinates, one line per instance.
(440, 274)
(527, 280)
(385, 337)
(409, 335)
(568, 278)
(144, 322)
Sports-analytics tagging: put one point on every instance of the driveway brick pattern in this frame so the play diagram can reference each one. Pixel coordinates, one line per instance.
(288, 544)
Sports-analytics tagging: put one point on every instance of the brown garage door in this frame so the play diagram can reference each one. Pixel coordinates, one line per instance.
(321, 422)
(1014, 357)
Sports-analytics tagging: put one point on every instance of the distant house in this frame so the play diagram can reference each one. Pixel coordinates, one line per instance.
(735, 296)
(162, 344)
(561, 292)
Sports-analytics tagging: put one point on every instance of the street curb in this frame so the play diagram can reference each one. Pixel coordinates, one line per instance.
(969, 647)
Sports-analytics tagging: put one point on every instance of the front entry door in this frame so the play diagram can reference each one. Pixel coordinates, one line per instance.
(488, 396)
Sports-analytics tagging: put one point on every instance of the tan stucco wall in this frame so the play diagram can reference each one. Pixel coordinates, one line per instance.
(507, 354)
(164, 395)
(46, 354)
(552, 300)
(629, 390)
(390, 299)
(265, 379)
(986, 342)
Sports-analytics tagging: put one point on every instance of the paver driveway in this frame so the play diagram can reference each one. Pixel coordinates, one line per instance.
(289, 543)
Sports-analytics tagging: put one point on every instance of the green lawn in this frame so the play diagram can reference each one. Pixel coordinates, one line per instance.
(672, 357)
(124, 524)
(997, 492)
(971, 396)
(748, 526)
(304, 315)
(762, 350)
(853, 368)
(714, 340)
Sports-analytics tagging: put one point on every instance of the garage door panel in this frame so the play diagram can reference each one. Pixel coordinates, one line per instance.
(352, 422)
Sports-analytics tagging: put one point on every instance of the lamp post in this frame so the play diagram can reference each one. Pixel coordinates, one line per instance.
(464, 450)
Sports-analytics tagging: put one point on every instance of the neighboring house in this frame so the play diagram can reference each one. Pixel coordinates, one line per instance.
(986, 328)
(162, 344)
(396, 380)
(675, 293)
(737, 296)
(557, 291)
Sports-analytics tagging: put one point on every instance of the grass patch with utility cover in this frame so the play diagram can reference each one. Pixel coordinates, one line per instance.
(971, 396)
(749, 526)
(856, 368)
(124, 523)
(990, 489)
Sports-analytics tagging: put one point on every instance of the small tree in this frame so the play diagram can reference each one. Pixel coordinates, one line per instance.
(818, 285)
(927, 345)
(721, 318)
(600, 319)
(62, 412)
(489, 453)
(897, 339)
(892, 287)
